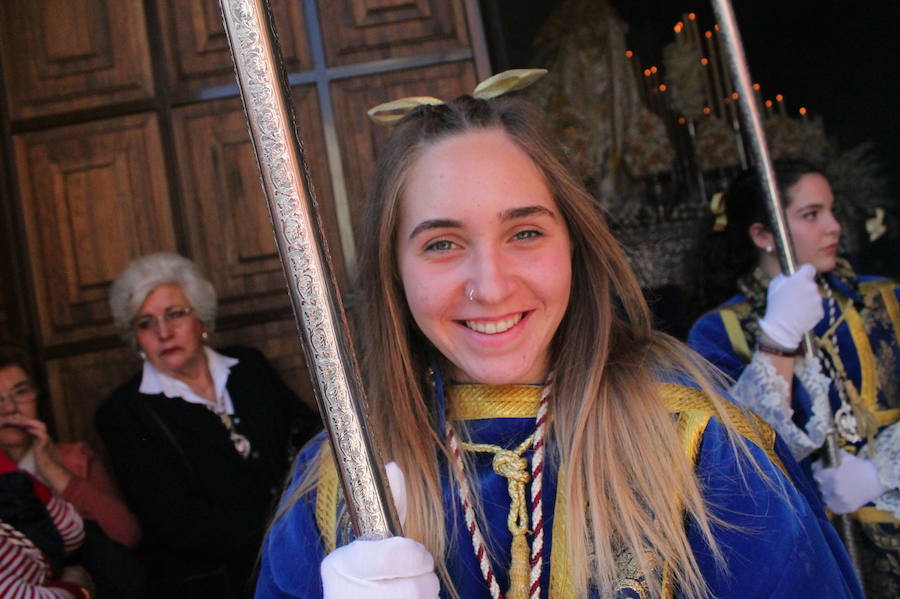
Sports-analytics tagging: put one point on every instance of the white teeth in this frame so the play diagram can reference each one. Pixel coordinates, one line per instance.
(492, 328)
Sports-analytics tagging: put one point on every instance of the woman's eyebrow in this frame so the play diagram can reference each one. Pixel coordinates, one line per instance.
(437, 223)
(817, 205)
(514, 213)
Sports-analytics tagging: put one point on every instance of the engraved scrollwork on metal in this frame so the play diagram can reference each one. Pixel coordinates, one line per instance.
(271, 127)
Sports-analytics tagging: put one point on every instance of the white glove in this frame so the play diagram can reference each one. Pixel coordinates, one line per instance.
(851, 485)
(394, 568)
(793, 307)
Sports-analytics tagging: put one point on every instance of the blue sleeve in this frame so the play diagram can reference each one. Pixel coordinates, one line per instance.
(709, 338)
(293, 549)
(774, 535)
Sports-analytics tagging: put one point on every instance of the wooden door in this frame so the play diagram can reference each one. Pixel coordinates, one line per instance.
(123, 134)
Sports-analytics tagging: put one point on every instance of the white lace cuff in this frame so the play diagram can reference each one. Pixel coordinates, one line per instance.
(887, 459)
(763, 391)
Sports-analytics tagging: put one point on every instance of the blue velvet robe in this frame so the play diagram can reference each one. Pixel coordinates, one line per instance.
(780, 546)
(868, 340)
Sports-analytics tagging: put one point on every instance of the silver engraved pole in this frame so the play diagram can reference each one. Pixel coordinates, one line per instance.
(753, 128)
(314, 295)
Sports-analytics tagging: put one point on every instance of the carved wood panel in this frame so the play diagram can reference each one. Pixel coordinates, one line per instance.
(78, 384)
(362, 30)
(62, 55)
(361, 139)
(94, 197)
(197, 46)
(226, 214)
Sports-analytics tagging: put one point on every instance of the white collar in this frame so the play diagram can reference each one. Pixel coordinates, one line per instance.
(153, 382)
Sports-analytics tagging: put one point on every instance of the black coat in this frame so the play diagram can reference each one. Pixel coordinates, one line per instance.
(202, 507)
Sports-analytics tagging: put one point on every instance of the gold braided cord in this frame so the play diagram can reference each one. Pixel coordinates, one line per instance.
(886, 289)
(735, 334)
(327, 492)
(869, 374)
(506, 82)
(514, 468)
(479, 402)
(872, 515)
(560, 582)
(680, 399)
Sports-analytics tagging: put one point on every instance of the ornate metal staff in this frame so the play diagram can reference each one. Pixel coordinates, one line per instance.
(312, 287)
(752, 121)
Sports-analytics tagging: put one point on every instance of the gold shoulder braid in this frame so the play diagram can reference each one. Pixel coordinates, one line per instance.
(502, 83)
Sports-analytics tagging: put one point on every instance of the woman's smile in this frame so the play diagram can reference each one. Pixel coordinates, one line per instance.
(494, 326)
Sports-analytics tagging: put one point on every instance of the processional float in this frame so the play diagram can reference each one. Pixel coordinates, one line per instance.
(315, 299)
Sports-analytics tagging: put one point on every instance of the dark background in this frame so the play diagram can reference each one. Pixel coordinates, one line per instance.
(838, 58)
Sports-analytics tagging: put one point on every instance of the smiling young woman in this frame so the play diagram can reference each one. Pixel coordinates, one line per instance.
(513, 376)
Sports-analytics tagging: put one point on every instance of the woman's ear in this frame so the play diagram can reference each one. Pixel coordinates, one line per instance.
(761, 237)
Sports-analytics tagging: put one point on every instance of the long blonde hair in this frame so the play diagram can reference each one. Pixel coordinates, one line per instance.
(628, 483)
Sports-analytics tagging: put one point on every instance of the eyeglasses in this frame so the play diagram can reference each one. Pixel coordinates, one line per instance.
(173, 317)
(21, 394)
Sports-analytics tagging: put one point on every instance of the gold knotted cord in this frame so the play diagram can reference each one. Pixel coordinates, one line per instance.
(514, 468)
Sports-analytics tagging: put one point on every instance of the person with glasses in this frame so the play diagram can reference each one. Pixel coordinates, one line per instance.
(71, 469)
(199, 439)
(45, 489)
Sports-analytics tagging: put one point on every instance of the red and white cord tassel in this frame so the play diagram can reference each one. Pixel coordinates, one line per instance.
(537, 516)
(471, 524)
(537, 494)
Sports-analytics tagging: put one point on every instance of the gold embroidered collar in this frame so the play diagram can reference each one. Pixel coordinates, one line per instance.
(479, 402)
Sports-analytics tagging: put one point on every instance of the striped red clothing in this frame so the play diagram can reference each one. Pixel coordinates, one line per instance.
(24, 571)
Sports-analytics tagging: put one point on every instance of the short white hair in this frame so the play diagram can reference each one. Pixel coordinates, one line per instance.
(145, 274)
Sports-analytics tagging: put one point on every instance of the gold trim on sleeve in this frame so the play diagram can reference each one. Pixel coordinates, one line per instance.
(327, 492)
(735, 334)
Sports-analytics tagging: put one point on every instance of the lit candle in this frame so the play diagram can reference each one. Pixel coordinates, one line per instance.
(679, 33)
(635, 65)
(758, 95)
(694, 31)
(779, 99)
(714, 66)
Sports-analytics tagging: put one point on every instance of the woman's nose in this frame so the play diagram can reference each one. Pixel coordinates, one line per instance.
(8, 406)
(490, 279)
(163, 329)
(834, 225)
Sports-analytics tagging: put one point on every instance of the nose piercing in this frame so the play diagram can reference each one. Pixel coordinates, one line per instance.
(470, 292)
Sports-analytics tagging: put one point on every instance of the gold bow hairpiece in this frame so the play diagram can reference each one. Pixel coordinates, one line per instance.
(497, 85)
(717, 207)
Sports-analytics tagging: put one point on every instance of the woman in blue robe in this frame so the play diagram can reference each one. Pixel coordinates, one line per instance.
(854, 319)
(544, 441)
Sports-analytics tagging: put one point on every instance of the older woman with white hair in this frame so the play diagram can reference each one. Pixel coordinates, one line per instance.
(199, 439)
